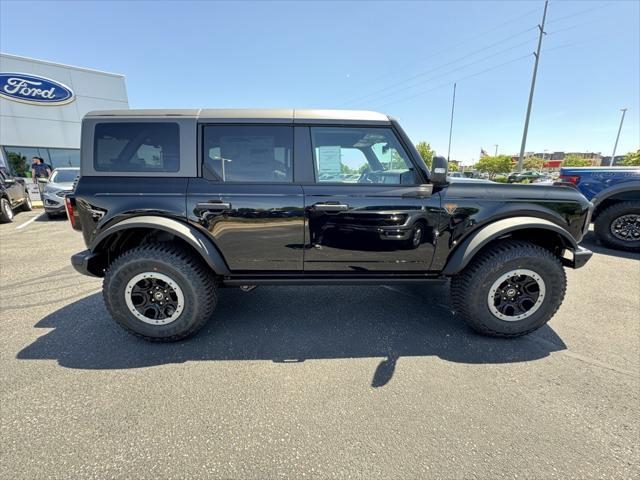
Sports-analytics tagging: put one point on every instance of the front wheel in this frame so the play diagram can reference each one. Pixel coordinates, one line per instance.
(415, 237)
(510, 289)
(6, 212)
(159, 292)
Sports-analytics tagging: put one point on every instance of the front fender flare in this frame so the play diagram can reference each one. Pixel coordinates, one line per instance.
(471, 245)
(196, 239)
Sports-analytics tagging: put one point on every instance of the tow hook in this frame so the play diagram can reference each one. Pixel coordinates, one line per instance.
(247, 288)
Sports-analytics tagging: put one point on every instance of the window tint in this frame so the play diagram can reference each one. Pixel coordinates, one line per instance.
(64, 176)
(63, 157)
(360, 155)
(248, 153)
(136, 147)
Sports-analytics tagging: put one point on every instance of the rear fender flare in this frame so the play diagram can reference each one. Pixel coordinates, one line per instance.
(471, 245)
(196, 239)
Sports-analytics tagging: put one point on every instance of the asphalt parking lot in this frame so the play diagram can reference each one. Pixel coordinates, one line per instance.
(318, 382)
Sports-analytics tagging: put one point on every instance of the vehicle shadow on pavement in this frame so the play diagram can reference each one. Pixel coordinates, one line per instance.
(291, 325)
(591, 242)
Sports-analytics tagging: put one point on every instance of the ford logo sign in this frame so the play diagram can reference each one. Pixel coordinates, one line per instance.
(25, 88)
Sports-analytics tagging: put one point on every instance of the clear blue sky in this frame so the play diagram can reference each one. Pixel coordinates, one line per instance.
(396, 57)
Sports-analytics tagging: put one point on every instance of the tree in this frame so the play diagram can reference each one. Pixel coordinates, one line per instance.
(494, 165)
(453, 167)
(575, 161)
(533, 163)
(632, 159)
(424, 149)
(18, 164)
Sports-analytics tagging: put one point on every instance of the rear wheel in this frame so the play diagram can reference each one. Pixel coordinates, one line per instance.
(159, 292)
(510, 289)
(6, 212)
(618, 226)
(26, 206)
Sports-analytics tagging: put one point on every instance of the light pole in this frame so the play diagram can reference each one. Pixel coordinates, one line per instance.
(533, 86)
(496, 151)
(615, 146)
(453, 105)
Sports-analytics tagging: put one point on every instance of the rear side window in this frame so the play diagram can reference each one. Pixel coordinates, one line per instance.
(248, 153)
(136, 147)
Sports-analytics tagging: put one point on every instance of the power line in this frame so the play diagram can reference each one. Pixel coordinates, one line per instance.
(362, 97)
(495, 67)
(379, 97)
(547, 51)
(497, 27)
(575, 14)
(456, 45)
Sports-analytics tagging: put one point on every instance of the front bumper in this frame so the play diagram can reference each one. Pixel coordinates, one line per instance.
(580, 256)
(52, 202)
(88, 263)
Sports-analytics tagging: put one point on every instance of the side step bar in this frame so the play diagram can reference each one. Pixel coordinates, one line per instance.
(240, 280)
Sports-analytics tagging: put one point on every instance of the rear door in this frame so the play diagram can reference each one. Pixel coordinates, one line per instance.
(245, 198)
(368, 210)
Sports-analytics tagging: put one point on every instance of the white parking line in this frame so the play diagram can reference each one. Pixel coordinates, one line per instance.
(29, 221)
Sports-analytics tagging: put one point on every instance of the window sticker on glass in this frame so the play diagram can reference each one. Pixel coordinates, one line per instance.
(329, 164)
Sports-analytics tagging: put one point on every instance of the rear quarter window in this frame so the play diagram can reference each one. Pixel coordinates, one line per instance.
(136, 147)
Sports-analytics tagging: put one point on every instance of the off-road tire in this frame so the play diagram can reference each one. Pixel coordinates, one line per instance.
(6, 213)
(26, 206)
(470, 288)
(604, 220)
(193, 277)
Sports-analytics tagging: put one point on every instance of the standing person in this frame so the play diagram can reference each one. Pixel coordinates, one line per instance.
(39, 169)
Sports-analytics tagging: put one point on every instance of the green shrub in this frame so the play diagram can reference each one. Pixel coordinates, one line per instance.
(500, 179)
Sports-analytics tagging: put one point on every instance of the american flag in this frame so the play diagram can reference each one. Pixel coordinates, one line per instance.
(483, 153)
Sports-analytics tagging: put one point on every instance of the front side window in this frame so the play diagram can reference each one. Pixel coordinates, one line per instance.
(360, 155)
(136, 147)
(248, 153)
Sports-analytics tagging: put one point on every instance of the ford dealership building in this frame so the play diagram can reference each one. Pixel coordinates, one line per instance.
(41, 107)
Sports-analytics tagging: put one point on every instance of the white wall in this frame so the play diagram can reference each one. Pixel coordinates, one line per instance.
(58, 126)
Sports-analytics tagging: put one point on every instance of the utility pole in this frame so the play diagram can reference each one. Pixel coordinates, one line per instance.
(496, 152)
(453, 105)
(623, 110)
(533, 85)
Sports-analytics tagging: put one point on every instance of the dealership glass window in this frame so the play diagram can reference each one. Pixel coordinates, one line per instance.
(63, 157)
(360, 155)
(248, 153)
(136, 147)
(19, 159)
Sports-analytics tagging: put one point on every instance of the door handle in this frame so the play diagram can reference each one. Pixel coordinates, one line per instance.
(330, 207)
(213, 206)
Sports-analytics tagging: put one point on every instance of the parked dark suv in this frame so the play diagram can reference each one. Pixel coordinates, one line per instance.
(14, 195)
(176, 204)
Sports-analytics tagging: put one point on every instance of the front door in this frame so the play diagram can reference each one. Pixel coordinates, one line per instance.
(367, 211)
(246, 199)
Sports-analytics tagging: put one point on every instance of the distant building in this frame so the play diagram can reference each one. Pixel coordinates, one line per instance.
(617, 160)
(554, 160)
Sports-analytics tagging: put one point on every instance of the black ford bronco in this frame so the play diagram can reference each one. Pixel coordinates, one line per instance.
(176, 204)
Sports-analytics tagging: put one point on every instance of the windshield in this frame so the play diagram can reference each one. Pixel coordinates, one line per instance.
(64, 176)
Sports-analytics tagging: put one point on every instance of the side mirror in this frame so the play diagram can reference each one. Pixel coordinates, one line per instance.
(439, 166)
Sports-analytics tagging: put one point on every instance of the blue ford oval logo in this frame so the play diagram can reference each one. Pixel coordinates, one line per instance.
(25, 88)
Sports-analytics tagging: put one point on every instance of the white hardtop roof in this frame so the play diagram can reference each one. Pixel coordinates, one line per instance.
(282, 115)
